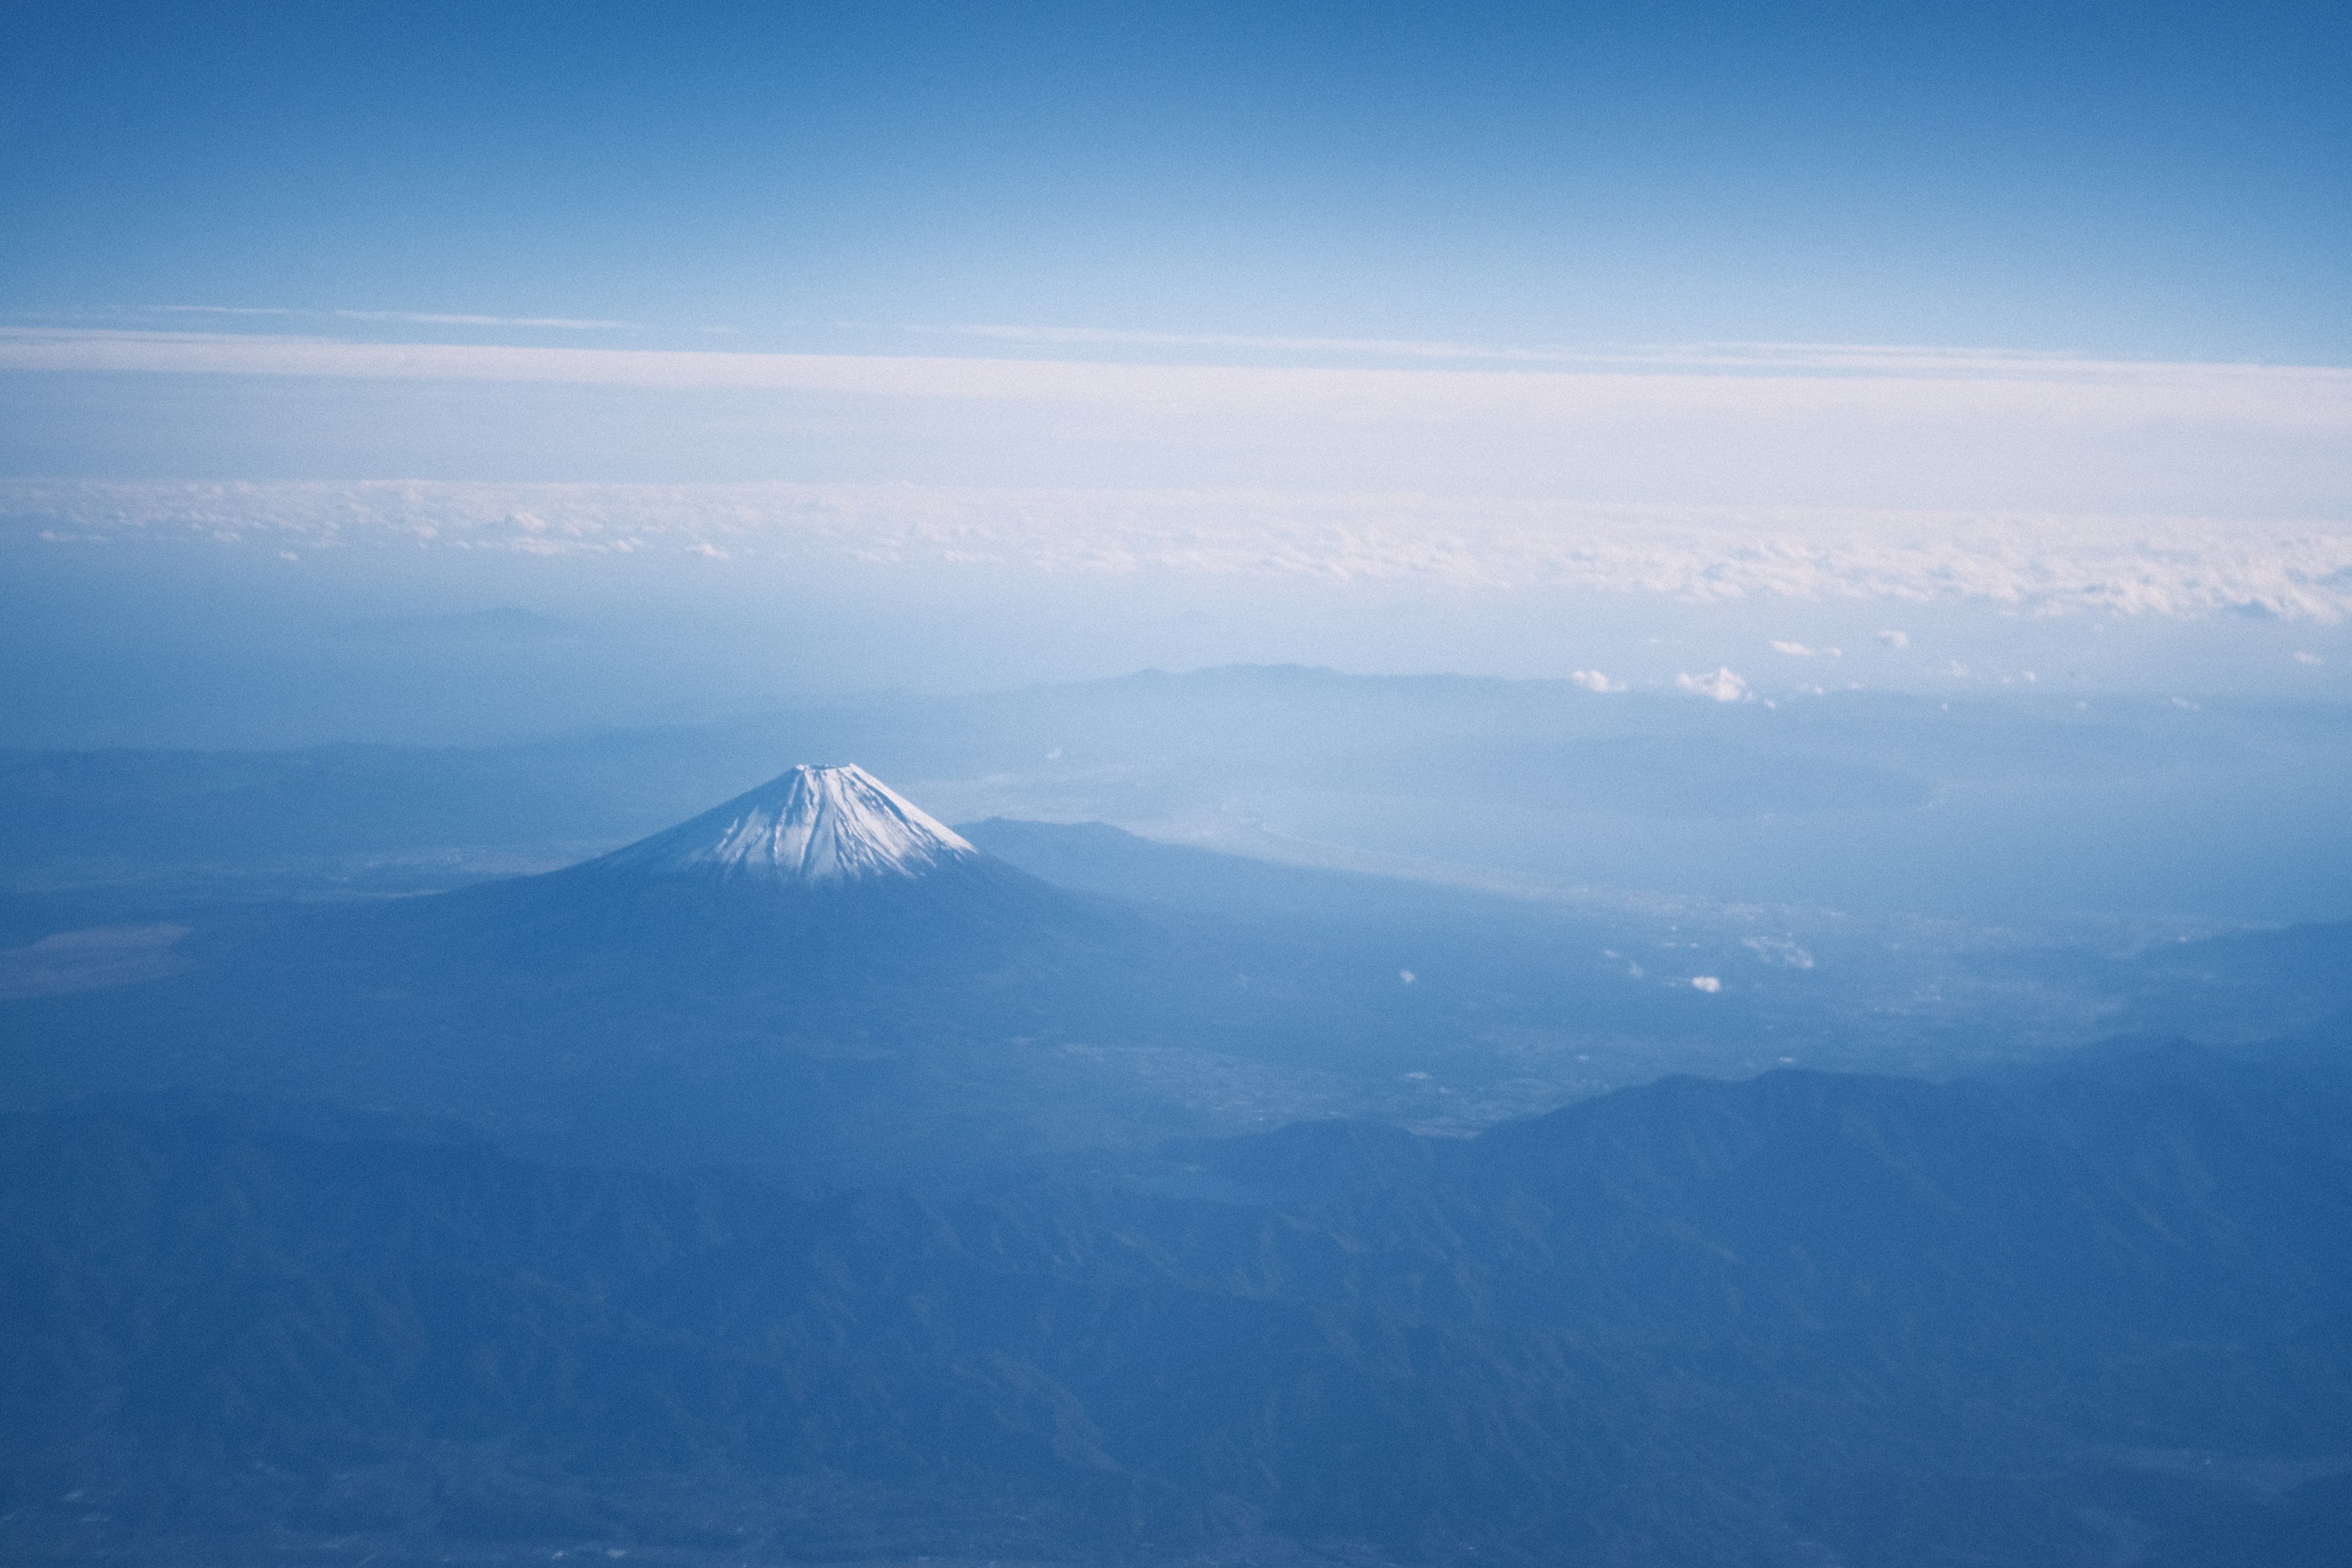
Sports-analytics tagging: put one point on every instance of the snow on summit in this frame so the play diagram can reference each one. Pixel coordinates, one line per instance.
(811, 825)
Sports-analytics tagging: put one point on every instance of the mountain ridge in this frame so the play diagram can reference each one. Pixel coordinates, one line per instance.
(1775, 1323)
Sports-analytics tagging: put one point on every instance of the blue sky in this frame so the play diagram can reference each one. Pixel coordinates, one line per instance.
(1523, 340)
(2121, 181)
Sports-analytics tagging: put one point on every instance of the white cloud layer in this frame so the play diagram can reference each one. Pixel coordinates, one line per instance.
(1840, 359)
(1968, 434)
(2034, 563)
(1770, 379)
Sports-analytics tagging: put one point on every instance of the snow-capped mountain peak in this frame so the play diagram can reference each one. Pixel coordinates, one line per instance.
(811, 825)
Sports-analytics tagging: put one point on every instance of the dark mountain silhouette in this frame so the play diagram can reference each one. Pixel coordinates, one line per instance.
(2069, 1317)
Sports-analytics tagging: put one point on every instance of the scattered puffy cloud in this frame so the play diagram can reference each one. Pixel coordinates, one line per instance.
(2308, 657)
(1594, 680)
(1723, 686)
(2043, 563)
(1895, 639)
(1707, 983)
(1799, 650)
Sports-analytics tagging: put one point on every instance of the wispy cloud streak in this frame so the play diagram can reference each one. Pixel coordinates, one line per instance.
(1863, 359)
(1107, 337)
(2294, 399)
(422, 319)
(404, 317)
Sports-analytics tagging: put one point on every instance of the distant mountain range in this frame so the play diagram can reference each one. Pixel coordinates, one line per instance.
(807, 1182)
(815, 976)
(2002, 810)
(820, 976)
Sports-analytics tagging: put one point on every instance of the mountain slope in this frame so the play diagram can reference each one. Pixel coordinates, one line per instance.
(810, 825)
(1803, 1320)
(816, 975)
(822, 886)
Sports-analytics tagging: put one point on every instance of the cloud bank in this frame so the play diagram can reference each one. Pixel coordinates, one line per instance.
(2042, 564)
(1817, 427)
(1774, 380)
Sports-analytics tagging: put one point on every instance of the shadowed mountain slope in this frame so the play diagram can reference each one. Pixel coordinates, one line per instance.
(1802, 1319)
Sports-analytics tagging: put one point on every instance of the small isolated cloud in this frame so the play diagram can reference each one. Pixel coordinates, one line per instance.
(1957, 671)
(1594, 680)
(2308, 658)
(1895, 639)
(1723, 686)
(1707, 983)
(1407, 975)
(1780, 950)
(1799, 650)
